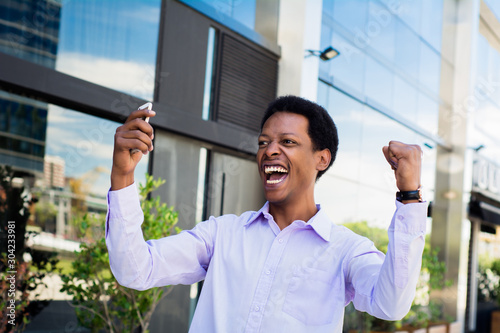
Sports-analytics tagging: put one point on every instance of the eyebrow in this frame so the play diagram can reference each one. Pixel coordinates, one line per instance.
(280, 134)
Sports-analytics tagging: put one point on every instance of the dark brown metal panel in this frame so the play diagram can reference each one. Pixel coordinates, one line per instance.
(183, 51)
(247, 83)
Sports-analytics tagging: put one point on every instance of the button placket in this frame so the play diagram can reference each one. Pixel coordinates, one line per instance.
(264, 284)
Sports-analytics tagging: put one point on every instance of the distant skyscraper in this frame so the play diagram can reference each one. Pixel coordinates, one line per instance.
(53, 171)
(29, 30)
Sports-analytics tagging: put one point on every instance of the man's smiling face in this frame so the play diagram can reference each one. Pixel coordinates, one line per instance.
(287, 162)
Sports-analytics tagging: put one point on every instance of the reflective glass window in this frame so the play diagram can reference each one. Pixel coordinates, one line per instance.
(85, 143)
(64, 156)
(381, 29)
(429, 68)
(328, 7)
(347, 114)
(486, 118)
(405, 99)
(377, 131)
(240, 11)
(407, 50)
(325, 39)
(410, 12)
(494, 64)
(110, 43)
(352, 14)
(360, 186)
(209, 73)
(432, 22)
(378, 83)
(482, 58)
(494, 6)
(487, 73)
(349, 68)
(427, 113)
(492, 89)
(23, 130)
(339, 197)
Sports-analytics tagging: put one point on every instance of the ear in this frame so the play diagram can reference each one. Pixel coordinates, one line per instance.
(323, 158)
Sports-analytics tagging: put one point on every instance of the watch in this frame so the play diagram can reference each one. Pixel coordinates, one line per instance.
(409, 195)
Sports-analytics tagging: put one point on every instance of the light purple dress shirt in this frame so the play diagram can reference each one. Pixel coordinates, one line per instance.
(259, 278)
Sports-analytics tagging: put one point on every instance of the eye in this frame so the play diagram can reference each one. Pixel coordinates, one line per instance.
(262, 143)
(288, 142)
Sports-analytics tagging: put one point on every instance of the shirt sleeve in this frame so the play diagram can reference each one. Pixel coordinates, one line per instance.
(137, 264)
(385, 287)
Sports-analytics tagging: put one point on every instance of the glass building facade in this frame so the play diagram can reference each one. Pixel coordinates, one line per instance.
(384, 86)
(72, 71)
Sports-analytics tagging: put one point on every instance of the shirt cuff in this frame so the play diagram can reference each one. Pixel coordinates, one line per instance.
(123, 205)
(124, 202)
(410, 217)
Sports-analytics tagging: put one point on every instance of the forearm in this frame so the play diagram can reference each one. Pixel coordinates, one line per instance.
(128, 252)
(120, 181)
(388, 291)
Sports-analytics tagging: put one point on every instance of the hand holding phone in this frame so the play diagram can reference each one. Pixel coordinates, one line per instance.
(147, 106)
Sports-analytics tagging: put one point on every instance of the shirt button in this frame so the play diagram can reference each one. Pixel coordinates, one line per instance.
(268, 272)
(257, 309)
(401, 217)
(280, 240)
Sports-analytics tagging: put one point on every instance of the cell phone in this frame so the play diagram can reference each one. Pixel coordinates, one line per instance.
(148, 106)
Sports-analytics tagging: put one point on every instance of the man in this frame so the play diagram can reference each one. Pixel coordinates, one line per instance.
(287, 267)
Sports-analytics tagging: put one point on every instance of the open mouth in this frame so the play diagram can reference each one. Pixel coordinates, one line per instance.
(275, 174)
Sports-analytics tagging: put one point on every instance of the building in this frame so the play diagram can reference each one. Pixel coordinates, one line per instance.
(416, 71)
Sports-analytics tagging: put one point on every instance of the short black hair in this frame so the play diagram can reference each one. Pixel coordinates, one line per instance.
(322, 129)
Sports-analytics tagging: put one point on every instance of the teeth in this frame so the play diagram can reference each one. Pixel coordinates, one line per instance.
(277, 181)
(271, 169)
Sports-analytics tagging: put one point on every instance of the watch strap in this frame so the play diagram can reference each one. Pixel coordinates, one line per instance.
(409, 195)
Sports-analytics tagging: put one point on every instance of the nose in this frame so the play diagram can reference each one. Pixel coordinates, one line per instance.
(272, 149)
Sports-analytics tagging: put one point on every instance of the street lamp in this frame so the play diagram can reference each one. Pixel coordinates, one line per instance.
(326, 54)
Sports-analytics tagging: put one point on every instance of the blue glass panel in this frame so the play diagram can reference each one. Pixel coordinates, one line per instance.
(325, 38)
(494, 5)
(349, 67)
(381, 29)
(352, 14)
(482, 58)
(405, 99)
(85, 143)
(322, 95)
(377, 131)
(241, 11)
(378, 83)
(407, 50)
(360, 172)
(328, 7)
(411, 12)
(428, 113)
(111, 43)
(486, 120)
(432, 22)
(29, 30)
(209, 74)
(429, 69)
(347, 114)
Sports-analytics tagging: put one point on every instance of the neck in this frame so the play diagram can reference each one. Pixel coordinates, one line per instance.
(285, 214)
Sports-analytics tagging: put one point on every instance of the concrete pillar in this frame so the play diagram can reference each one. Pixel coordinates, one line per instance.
(299, 30)
(460, 21)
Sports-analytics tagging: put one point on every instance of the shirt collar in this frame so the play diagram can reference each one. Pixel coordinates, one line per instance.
(320, 222)
(262, 212)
